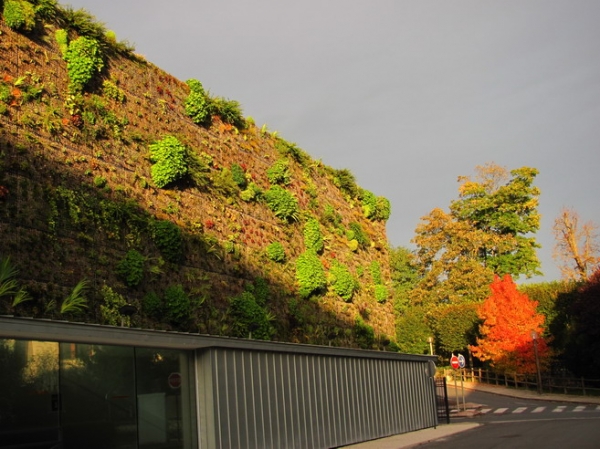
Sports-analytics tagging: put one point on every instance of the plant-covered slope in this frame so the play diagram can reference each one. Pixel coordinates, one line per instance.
(169, 200)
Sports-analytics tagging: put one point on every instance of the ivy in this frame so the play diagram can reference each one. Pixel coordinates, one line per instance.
(170, 161)
(313, 239)
(310, 274)
(283, 203)
(276, 252)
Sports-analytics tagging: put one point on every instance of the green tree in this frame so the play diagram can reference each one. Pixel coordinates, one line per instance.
(404, 275)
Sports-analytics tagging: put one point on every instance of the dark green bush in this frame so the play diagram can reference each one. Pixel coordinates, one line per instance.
(310, 274)
(153, 306)
(177, 304)
(167, 237)
(250, 318)
(170, 161)
(131, 268)
(363, 334)
(276, 252)
(283, 203)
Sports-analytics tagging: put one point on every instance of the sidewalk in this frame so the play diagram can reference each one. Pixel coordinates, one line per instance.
(412, 439)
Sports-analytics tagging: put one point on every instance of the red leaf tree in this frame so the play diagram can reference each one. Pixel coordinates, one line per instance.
(509, 318)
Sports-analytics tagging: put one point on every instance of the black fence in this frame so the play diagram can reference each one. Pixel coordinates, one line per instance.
(441, 395)
(549, 384)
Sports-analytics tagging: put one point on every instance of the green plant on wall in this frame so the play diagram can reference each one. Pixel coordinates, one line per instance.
(375, 270)
(230, 111)
(276, 252)
(109, 309)
(62, 39)
(153, 305)
(310, 274)
(313, 239)
(167, 237)
(197, 104)
(249, 318)
(341, 280)
(355, 232)
(111, 90)
(238, 175)
(346, 182)
(84, 59)
(177, 304)
(282, 202)
(279, 172)
(131, 268)
(363, 333)
(170, 161)
(19, 15)
(251, 193)
(374, 208)
(381, 293)
(289, 149)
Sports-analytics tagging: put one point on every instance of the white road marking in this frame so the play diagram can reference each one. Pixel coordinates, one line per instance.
(579, 408)
(485, 410)
(538, 410)
(499, 411)
(519, 410)
(559, 409)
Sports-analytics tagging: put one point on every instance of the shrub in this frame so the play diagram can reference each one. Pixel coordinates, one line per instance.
(131, 268)
(363, 333)
(170, 161)
(19, 15)
(279, 172)
(375, 208)
(342, 281)
(330, 215)
(381, 293)
(230, 111)
(167, 237)
(109, 310)
(310, 274)
(253, 192)
(238, 175)
(276, 252)
(283, 203)
(153, 306)
(197, 105)
(250, 318)
(356, 233)
(84, 58)
(345, 181)
(260, 289)
(313, 239)
(177, 304)
(112, 91)
(288, 149)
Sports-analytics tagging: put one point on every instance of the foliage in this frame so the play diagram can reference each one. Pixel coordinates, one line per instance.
(238, 175)
(363, 333)
(84, 59)
(313, 239)
(153, 305)
(109, 310)
(170, 161)
(177, 304)
(412, 331)
(131, 268)
(291, 150)
(197, 104)
(341, 280)
(582, 351)
(508, 320)
(404, 276)
(19, 15)
(310, 274)
(276, 252)
(282, 202)
(253, 192)
(455, 326)
(260, 289)
(375, 270)
(250, 319)
(577, 247)
(374, 208)
(224, 184)
(356, 232)
(279, 172)
(332, 216)
(76, 301)
(168, 239)
(111, 90)
(381, 293)
(230, 111)
(9, 287)
(346, 182)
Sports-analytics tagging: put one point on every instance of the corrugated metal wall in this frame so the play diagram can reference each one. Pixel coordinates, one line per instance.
(255, 399)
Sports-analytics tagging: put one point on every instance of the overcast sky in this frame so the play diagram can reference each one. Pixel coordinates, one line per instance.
(407, 95)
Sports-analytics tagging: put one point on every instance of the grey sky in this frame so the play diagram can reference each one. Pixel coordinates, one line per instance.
(407, 95)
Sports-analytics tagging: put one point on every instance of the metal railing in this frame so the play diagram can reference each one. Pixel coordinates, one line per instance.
(550, 384)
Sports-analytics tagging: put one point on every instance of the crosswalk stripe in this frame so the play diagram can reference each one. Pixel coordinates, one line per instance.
(538, 410)
(579, 408)
(519, 410)
(485, 410)
(559, 409)
(598, 407)
(499, 411)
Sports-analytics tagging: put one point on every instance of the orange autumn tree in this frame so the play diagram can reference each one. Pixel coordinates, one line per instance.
(509, 318)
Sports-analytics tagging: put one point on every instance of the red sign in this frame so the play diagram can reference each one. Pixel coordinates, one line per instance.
(174, 380)
(454, 362)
